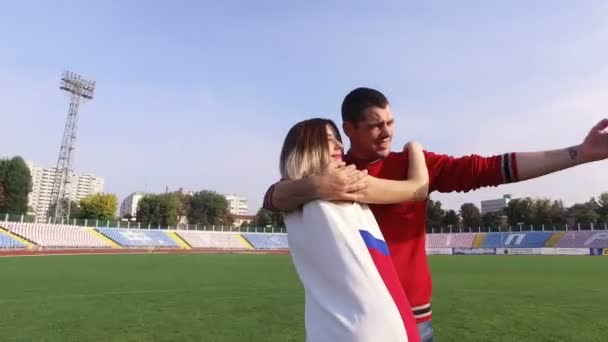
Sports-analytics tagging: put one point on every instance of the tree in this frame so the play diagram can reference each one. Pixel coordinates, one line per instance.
(16, 181)
(558, 213)
(98, 207)
(435, 215)
(471, 216)
(262, 218)
(451, 219)
(265, 217)
(159, 210)
(491, 220)
(602, 209)
(184, 204)
(519, 210)
(593, 203)
(584, 213)
(2, 196)
(541, 212)
(277, 219)
(169, 206)
(75, 210)
(209, 208)
(148, 210)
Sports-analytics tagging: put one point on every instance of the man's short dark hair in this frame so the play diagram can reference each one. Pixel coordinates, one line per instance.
(358, 100)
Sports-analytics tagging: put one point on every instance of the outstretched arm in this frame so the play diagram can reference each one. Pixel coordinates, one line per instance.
(449, 174)
(593, 148)
(536, 164)
(415, 188)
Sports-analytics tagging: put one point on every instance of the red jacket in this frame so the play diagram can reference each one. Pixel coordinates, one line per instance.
(404, 225)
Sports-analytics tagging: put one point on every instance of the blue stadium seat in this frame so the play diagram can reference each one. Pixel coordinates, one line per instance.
(138, 237)
(267, 241)
(8, 242)
(516, 239)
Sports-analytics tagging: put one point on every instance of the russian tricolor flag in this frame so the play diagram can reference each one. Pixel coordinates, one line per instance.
(381, 256)
(352, 291)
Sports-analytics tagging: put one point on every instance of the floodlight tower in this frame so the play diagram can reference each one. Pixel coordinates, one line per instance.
(80, 90)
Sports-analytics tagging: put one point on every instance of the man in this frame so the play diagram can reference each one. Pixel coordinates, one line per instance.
(368, 123)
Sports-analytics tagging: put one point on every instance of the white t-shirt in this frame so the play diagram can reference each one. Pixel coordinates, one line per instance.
(341, 258)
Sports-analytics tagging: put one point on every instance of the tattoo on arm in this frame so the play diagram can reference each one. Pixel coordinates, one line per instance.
(573, 153)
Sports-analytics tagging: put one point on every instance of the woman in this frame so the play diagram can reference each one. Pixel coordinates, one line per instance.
(352, 292)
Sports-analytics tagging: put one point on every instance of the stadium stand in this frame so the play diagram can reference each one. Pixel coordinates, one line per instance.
(27, 235)
(7, 241)
(516, 239)
(179, 240)
(214, 240)
(583, 239)
(445, 240)
(56, 236)
(267, 240)
(479, 239)
(554, 238)
(139, 237)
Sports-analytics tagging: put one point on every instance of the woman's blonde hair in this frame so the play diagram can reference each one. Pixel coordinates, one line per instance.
(305, 149)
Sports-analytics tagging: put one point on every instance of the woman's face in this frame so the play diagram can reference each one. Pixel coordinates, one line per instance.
(335, 147)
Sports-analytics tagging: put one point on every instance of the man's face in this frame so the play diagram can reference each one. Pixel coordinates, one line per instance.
(371, 137)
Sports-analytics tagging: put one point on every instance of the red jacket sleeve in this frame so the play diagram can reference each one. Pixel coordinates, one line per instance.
(267, 204)
(448, 174)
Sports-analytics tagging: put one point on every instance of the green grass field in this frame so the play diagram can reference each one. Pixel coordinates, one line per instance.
(259, 298)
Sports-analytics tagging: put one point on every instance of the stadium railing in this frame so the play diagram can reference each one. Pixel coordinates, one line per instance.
(18, 234)
(130, 224)
(124, 223)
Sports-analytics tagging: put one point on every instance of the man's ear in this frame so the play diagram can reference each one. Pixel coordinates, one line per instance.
(348, 128)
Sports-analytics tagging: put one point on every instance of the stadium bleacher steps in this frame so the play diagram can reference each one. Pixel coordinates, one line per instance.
(17, 237)
(99, 235)
(554, 238)
(245, 242)
(478, 241)
(178, 239)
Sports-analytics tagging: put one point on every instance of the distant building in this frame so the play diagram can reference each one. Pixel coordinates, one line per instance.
(240, 219)
(237, 204)
(40, 199)
(495, 205)
(129, 204)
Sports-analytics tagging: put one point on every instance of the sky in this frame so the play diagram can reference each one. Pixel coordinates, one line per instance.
(199, 95)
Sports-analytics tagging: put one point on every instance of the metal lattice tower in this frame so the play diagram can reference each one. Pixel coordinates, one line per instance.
(79, 90)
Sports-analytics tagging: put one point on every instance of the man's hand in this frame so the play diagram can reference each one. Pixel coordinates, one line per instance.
(336, 183)
(595, 145)
(339, 182)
